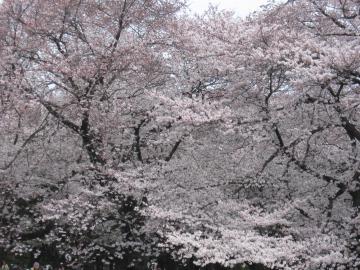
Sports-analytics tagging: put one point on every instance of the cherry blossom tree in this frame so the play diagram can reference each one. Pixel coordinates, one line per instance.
(129, 130)
(74, 78)
(285, 176)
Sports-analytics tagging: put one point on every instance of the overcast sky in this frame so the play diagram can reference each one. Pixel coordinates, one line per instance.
(241, 7)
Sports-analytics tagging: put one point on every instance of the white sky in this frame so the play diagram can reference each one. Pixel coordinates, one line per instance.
(241, 7)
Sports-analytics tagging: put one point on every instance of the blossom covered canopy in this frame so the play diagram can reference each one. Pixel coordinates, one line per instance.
(130, 130)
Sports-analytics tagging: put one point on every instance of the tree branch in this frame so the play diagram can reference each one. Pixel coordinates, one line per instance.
(32, 136)
(173, 150)
(50, 108)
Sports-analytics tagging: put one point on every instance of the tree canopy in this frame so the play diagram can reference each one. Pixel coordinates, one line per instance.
(130, 129)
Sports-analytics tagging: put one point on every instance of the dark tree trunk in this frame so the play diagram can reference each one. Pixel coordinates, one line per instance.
(91, 141)
(99, 264)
